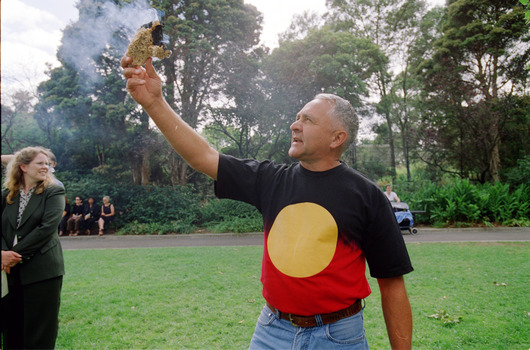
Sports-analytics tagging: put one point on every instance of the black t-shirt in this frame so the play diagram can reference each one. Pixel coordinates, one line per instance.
(78, 209)
(319, 228)
(94, 210)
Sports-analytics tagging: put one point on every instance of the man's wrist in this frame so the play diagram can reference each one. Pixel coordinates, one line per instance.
(157, 105)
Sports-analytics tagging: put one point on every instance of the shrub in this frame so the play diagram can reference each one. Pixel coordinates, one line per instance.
(521, 173)
(143, 204)
(155, 228)
(462, 201)
(150, 204)
(227, 215)
(457, 203)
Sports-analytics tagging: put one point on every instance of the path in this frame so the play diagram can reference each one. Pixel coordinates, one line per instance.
(504, 234)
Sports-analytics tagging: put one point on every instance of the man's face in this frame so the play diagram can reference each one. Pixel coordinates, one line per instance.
(312, 132)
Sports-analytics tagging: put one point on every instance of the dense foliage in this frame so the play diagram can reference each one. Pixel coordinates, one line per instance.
(166, 209)
(464, 204)
(183, 209)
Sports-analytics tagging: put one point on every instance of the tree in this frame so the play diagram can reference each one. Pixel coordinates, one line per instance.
(392, 25)
(19, 129)
(479, 61)
(324, 61)
(527, 13)
(203, 36)
(514, 135)
(241, 120)
(84, 107)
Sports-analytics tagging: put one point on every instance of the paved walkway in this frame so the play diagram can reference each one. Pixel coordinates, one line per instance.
(425, 235)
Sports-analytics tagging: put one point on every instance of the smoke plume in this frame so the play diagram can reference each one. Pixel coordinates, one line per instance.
(102, 26)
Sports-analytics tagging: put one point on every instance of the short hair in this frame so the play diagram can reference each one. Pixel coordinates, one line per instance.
(52, 157)
(107, 198)
(343, 111)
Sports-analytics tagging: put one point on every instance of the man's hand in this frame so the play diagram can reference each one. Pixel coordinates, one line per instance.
(10, 259)
(144, 85)
(6, 158)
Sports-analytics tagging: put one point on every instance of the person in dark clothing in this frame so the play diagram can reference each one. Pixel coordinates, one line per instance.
(107, 215)
(91, 215)
(32, 257)
(66, 216)
(323, 221)
(73, 224)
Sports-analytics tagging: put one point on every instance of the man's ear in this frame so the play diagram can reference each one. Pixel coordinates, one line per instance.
(339, 137)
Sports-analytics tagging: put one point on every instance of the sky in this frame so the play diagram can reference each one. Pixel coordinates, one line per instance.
(31, 32)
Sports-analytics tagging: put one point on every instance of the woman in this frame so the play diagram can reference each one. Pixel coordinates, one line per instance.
(107, 214)
(32, 257)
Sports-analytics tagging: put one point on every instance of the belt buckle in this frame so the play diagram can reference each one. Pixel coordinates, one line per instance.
(291, 320)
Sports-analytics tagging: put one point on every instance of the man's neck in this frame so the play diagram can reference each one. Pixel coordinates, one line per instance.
(320, 166)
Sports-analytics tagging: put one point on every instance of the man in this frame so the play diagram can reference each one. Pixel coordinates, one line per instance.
(321, 220)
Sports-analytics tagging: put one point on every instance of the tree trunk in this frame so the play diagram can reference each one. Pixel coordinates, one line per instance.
(391, 144)
(404, 140)
(495, 163)
(146, 168)
(136, 173)
(177, 168)
(183, 170)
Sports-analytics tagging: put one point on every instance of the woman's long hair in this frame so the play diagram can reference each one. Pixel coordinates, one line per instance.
(14, 179)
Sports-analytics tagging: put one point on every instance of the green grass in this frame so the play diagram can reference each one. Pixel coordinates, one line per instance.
(210, 298)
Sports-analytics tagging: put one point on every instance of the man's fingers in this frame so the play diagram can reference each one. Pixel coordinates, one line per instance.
(134, 82)
(132, 72)
(125, 60)
(150, 70)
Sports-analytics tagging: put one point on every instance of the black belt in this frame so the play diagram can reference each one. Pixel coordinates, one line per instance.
(311, 321)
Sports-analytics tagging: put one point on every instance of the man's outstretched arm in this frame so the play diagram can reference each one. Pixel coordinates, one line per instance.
(397, 312)
(145, 87)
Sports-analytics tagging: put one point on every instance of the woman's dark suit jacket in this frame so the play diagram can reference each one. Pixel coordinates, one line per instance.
(38, 241)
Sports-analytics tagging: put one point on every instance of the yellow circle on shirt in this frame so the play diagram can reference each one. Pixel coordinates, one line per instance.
(302, 240)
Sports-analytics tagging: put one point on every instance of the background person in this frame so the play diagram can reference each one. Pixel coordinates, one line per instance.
(32, 205)
(65, 217)
(391, 196)
(73, 224)
(91, 215)
(340, 218)
(53, 165)
(107, 215)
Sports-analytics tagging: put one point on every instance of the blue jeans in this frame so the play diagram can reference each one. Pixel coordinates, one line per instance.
(274, 333)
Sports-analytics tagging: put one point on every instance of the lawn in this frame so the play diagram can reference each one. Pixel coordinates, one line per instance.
(463, 295)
